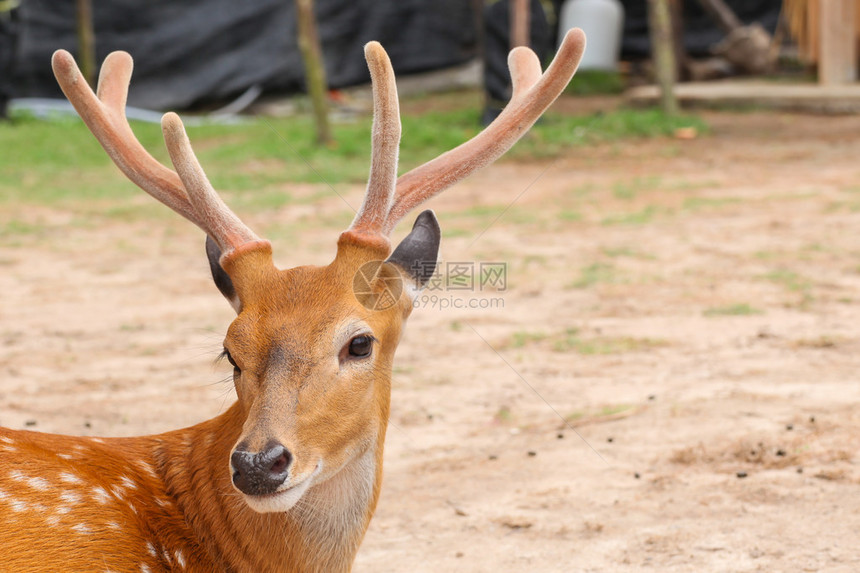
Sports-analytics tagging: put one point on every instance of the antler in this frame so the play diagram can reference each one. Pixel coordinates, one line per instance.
(385, 142)
(189, 193)
(532, 94)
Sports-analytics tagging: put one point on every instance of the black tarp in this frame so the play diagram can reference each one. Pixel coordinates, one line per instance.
(195, 50)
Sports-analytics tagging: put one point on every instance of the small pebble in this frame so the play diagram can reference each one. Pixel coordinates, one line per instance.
(493, 457)
(532, 453)
(636, 475)
(789, 427)
(87, 424)
(742, 474)
(652, 396)
(780, 453)
(458, 554)
(800, 470)
(560, 436)
(610, 440)
(812, 419)
(30, 423)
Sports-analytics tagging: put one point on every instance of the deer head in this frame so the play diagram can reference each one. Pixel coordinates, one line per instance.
(312, 347)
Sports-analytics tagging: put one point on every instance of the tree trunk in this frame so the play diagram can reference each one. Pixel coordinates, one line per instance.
(520, 23)
(309, 44)
(86, 40)
(663, 53)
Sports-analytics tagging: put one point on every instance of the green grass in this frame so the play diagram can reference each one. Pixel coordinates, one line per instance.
(641, 217)
(595, 82)
(593, 274)
(739, 309)
(601, 345)
(46, 162)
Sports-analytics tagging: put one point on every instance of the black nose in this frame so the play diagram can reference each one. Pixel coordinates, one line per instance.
(260, 473)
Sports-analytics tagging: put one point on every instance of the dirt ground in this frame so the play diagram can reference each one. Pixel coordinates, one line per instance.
(671, 384)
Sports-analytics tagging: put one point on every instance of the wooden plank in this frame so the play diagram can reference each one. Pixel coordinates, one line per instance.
(837, 63)
(838, 99)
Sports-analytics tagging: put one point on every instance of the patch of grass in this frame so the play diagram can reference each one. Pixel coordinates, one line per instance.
(697, 203)
(641, 217)
(595, 82)
(593, 274)
(789, 280)
(738, 309)
(601, 345)
(616, 252)
(629, 189)
(59, 160)
(569, 216)
(522, 338)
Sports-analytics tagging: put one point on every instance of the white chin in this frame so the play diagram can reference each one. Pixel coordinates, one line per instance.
(278, 502)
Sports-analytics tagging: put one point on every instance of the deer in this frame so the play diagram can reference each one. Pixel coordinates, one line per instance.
(288, 477)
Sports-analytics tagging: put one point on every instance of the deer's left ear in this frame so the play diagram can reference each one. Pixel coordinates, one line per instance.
(220, 276)
(417, 253)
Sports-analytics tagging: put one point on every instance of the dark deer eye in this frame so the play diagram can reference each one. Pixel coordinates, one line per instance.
(360, 346)
(226, 354)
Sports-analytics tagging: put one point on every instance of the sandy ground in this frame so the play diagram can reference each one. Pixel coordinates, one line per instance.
(671, 385)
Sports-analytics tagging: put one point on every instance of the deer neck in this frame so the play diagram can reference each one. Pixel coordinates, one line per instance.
(321, 533)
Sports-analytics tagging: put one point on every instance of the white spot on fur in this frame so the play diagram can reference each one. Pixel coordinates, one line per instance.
(64, 509)
(166, 503)
(128, 483)
(147, 468)
(180, 558)
(66, 456)
(17, 475)
(144, 568)
(117, 492)
(71, 497)
(114, 525)
(53, 520)
(18, 506)
(97, 440)
(67, 477)
(100, 495)
(132, 508)
(3, 495)
(82, 528)
(6, 440)
(150, 548)
(166, 555)
(38, 483)
(10, 449)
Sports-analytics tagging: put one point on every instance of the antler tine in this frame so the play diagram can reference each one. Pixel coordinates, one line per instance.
(105, 117)
(385, 143)
(214, 216)
(532, 95)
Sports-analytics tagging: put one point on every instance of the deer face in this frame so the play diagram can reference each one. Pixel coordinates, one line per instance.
(312, 350)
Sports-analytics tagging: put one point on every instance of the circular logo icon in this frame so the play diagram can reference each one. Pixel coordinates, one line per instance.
(377, 285)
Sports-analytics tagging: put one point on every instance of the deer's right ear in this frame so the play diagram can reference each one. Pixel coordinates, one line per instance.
(417, 253)
(220, 276)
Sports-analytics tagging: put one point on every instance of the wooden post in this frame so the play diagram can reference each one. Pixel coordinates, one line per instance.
(86, 40)
(837, 58)
(663, 53)
(520, 12)
(309, 45)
